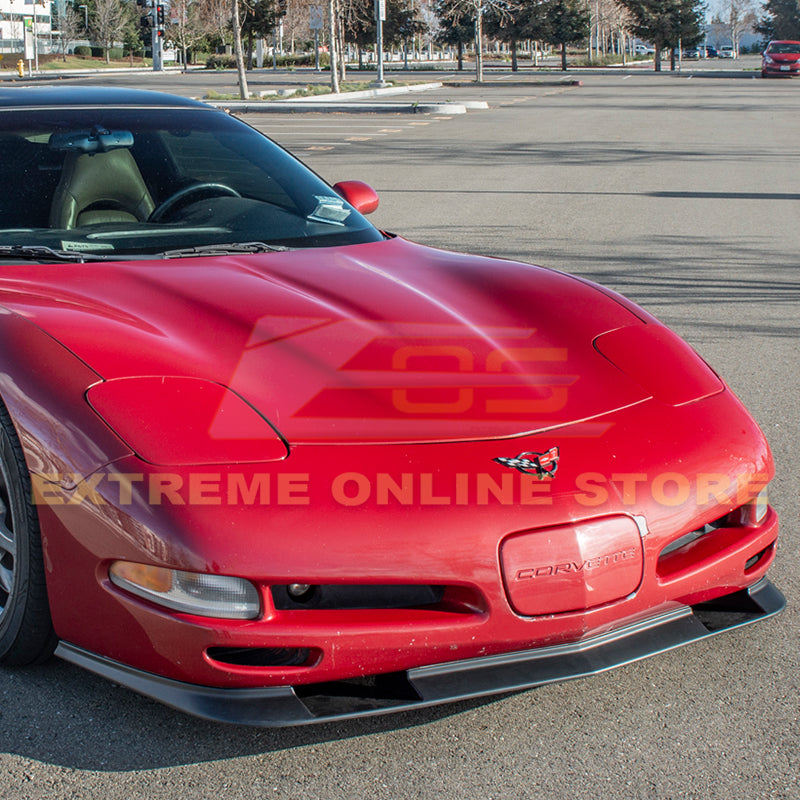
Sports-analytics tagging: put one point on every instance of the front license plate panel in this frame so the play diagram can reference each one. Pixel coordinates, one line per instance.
(572, 567)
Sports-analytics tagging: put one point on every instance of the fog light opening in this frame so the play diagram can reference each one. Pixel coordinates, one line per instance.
(301, 592)
(757, 561)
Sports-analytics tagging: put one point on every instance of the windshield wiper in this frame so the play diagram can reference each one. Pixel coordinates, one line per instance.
(230, 248)
(36, 252)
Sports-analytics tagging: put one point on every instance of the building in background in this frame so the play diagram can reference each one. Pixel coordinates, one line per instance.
(18, 15)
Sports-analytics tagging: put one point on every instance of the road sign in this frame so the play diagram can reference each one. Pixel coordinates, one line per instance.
(315, 18)
(28, 44)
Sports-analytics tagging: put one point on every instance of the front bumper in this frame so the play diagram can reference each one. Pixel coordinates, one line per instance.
(442, 683)
(780, 70)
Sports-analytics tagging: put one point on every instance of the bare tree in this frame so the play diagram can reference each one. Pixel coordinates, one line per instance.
(70, 24)
(217, 15)
(238, 51)
(609, 21)
(296, 23)
(342, 11)
(332, 40)
(350, 16)
(474, 10)
(743, 15)
(107, 22)
(186, 26)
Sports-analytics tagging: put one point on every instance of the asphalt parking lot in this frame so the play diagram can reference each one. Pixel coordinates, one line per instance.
(681, 191)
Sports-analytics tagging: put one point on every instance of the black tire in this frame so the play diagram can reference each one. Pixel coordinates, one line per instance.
(26, 629)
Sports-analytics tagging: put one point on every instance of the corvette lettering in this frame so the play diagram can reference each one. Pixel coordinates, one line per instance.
(573, 567)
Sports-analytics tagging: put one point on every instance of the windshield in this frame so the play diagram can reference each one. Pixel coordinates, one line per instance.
(785, 48)
(141, 181)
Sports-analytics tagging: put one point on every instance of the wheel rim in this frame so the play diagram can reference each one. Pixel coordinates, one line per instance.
(8, 548)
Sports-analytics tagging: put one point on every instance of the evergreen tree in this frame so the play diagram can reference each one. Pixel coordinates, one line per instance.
(528, 20)
(259, 19)
(667, 23)
(569, 24)
(400, 25)
(454, 30)
(781, 20)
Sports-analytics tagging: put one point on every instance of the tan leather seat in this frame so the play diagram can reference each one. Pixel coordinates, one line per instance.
(100, 187)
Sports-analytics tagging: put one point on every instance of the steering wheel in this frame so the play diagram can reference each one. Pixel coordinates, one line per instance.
(163, 209)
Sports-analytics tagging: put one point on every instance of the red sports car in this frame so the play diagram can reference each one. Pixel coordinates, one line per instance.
(270, 465)
(781, 59)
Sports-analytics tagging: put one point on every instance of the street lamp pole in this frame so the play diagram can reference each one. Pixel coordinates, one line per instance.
(380, 16)
(35, 40)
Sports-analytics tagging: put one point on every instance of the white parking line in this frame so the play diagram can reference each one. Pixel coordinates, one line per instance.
(320, 133)
(291, 132)
(319, 126)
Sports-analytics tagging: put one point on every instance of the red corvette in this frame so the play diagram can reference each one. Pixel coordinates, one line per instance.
(270, 465)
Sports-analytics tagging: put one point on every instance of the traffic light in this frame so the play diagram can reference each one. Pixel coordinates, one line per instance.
(146, 21)
(160, 16)
(282, 7)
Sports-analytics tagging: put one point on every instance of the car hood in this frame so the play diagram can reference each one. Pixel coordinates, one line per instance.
(380, 342)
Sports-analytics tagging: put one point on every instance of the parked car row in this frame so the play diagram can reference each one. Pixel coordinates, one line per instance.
(704, 51)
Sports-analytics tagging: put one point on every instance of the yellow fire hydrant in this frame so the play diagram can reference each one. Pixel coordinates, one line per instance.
(21, 68)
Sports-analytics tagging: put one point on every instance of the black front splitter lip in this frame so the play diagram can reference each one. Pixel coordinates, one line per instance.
(443, 683)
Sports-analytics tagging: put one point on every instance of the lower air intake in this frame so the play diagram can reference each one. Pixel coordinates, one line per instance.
(261, 656)
(355, 596)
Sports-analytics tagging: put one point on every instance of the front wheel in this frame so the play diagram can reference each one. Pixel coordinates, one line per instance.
(26, 630)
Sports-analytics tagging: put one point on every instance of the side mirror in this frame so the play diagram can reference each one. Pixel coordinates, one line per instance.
(362, 197)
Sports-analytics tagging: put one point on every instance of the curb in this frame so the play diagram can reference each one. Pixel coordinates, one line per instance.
(368, 93)
(297, 107)
(343, 103)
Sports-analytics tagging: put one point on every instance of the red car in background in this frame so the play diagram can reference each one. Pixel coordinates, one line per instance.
(781, 59)
(271, 465)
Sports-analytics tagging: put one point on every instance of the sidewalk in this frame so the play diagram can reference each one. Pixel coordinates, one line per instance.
(7, 74)
(355, 103)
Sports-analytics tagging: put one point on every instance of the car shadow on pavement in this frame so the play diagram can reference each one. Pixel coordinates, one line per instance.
(60, 715)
